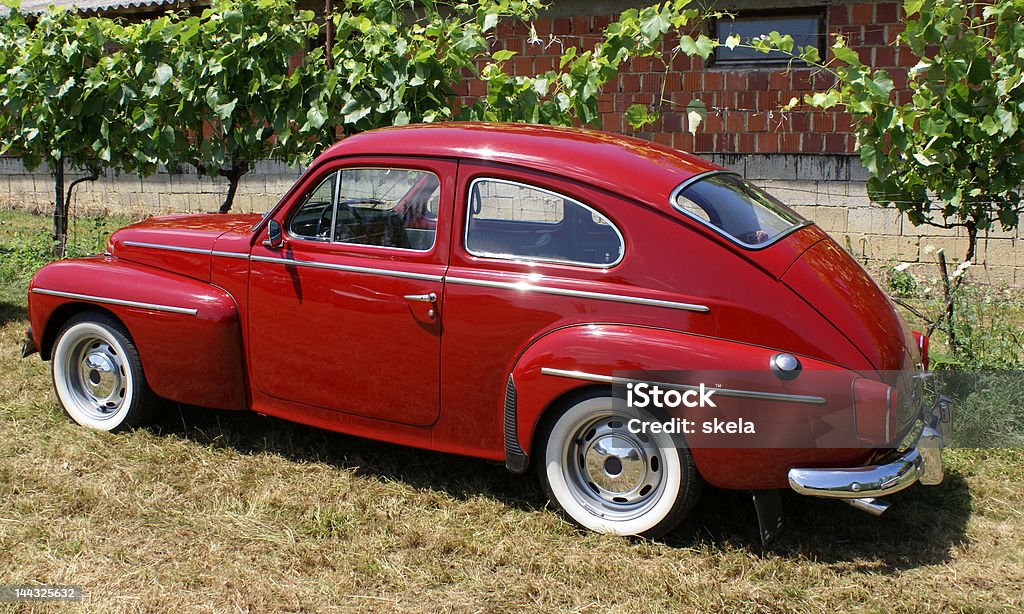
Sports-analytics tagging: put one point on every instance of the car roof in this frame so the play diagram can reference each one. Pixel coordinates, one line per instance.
(637, 169)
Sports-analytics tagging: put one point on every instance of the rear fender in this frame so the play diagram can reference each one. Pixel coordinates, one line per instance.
(603, 349)
(187, 332)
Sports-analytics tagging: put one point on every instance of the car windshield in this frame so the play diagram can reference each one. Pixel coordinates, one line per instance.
(737, 209)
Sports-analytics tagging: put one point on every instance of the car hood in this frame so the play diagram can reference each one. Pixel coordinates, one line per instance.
(182, 244)
(838, 288)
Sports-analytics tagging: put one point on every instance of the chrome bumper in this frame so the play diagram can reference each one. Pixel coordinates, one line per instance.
(921, 463)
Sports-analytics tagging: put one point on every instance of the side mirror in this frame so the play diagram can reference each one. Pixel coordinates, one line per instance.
(275, 235)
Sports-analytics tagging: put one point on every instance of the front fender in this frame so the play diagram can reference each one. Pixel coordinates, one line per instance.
(187, 332)
(603, 349)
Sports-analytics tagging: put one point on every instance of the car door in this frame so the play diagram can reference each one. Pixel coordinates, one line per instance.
(346, 314)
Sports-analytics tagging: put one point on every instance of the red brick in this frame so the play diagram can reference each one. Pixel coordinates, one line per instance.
(801, 80)
(822, 122)
(735, 81)
(736, 122)
(874, 35)
(630, 83)
(713, 81)
(713, 122)
(545, 63)
(757, 122)
(725, 143)
(601, 22)
(905, 58)
(682, 141)
(561, 26)
(757, 80)
(650, 83)
(789, 142)
(683, 63)
(778, 80)
(835, 143)
(746, 143)
(822, 80)
(844, 122)
(887, 12)
(523, 65)
(767, 142)
(862, 13)
(673, 82)
(884, 57)
(663, 138)
(838, 15)
(892, 32)
(899, 78)
(813, 142)
(543, 26)
(704, 142)
(477, 88)
(746, 101)
(692, 82)
(800, 122)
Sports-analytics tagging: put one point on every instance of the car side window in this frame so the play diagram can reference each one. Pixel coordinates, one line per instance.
(507, 219)
(313, 220)
(383, 207)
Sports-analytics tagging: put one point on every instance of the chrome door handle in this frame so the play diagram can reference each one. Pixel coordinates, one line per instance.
(422, 298)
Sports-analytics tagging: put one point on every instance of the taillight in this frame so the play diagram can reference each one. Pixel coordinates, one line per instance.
(922, 346)
(874, 408)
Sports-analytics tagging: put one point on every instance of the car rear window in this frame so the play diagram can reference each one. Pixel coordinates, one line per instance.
(741, 211)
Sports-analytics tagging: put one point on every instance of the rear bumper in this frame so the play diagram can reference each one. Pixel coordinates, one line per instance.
(920, 463)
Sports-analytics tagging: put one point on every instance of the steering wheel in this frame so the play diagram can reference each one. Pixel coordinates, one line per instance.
(348, 218)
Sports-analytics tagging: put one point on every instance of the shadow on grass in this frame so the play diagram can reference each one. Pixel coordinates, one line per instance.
(922, 528)
(9, 312)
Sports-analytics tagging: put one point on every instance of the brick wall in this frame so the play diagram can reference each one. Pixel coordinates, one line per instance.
(742, 103)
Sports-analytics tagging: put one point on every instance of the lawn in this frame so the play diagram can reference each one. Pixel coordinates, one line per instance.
(212, 510)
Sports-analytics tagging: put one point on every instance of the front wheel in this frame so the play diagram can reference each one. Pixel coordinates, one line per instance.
(98, 376)
(610, 480)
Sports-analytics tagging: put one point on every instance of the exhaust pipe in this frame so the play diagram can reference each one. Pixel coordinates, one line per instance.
(875, 507)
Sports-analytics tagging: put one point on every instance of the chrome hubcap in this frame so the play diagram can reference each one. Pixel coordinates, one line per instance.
(97, 377)
(612, 471)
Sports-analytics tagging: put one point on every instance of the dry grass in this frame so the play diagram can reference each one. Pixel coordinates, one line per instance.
(220, 511)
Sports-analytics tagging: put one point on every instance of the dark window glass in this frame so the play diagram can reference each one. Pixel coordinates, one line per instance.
(737, 209)
(512, 220)
(805, 30)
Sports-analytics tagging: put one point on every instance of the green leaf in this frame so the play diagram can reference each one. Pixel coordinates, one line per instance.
(695, 114)
(490, 21)
(503, 55)
(845, 54)
(162, 74)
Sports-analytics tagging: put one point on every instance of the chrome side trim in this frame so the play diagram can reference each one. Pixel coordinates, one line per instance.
(241, 256)
(601, 296)
(349, 268)
(169, 248)
(186, 250)
(724, 392)
(117, 301)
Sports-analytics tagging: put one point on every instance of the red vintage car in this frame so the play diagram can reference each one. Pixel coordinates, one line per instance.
(498, 291)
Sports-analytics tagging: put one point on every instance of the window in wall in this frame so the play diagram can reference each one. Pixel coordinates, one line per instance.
(807, 28)
(512, 220)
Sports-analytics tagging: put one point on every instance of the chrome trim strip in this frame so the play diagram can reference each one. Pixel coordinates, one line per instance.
(618, 298)
(170, 248)
(725, 392)
(117, 301)
(349, 268)
(682, 186)
(519, 258)
(239, 255)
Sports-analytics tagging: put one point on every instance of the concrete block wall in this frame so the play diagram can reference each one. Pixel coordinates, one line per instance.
(829, 189)
(179, 192)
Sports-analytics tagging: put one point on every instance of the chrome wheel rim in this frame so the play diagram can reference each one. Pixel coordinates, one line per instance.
(96, 377)
(614, 473)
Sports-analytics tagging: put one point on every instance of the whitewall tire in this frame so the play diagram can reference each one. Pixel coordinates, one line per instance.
(98, 376)
(609, 480)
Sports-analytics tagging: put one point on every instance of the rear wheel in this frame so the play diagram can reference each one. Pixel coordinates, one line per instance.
(610, 480)
(98, 376)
